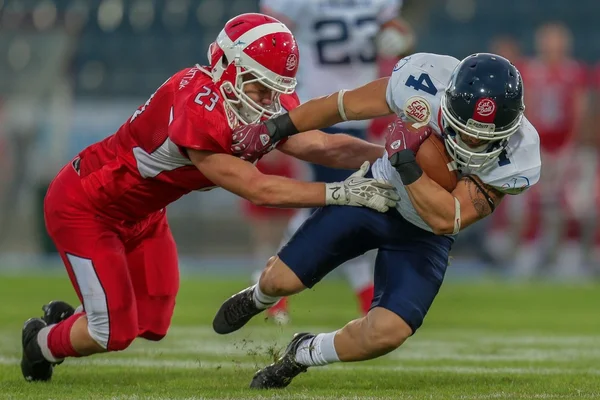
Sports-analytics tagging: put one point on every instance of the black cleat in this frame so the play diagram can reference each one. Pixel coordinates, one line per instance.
(57, 311)
(33, 364)
(235, 312)
(280, 374)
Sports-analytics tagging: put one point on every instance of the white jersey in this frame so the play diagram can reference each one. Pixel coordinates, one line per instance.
(415, 88)
(336, 42)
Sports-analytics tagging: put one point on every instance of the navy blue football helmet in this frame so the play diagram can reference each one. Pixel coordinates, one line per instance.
(482, 108)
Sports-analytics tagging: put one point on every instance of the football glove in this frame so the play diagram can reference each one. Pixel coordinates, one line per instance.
(359, 191)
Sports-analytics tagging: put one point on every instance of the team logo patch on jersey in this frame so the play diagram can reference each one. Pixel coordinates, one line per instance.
(418, 109)
(291, 62)
(264, 139)
(485, 110)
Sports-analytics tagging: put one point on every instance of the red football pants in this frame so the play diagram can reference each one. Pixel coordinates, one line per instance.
(125, 273)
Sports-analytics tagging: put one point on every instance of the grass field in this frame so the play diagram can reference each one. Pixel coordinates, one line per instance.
(480, 341)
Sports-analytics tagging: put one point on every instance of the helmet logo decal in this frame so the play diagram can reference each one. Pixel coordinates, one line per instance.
(291, 62)
(485, 110)
(418, 110)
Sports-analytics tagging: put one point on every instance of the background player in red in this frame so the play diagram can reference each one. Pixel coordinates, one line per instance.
(556, 100)
(105, 211)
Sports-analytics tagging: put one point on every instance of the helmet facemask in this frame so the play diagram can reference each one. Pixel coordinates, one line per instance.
(493, 142)
(247, 110)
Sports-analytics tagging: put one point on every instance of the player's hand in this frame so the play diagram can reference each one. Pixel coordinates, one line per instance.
(252, 141)
(402, 135)
(359, 191)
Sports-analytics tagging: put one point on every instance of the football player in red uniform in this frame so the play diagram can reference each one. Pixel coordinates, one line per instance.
(557, 105)
(105, 210)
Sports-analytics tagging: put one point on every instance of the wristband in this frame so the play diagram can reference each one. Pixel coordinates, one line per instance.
(281, 127)
(405, 163)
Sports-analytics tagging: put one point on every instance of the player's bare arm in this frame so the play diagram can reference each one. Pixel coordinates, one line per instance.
(444, 212)
(438, 208)
(335, 151)
(245, 180)
(365, 102)
(252, 141)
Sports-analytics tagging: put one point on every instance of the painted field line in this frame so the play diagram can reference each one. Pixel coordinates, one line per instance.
(188, 365)
(403, 396)
(407, 352)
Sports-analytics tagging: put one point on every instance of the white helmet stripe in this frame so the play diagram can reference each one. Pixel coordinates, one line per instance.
(251, 36)
(262, 30)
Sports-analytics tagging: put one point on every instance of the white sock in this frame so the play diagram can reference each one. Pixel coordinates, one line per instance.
(262, 300)
(319, 350)
(42, 339)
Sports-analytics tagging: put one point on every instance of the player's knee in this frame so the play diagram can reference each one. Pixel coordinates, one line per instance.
(278, 279)
(121, 342)
(153, 336)
(155, 322)
(387, 332)
(114, 332)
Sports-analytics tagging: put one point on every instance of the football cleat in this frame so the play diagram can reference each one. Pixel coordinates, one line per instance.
(280, 374)
(235, 312)
(33, 364)
(57, 311)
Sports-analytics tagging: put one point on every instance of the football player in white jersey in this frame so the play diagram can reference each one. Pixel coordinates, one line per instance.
(339, 41)
(476, 105)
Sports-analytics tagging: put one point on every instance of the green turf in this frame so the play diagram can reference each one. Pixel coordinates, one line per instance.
(480, 341)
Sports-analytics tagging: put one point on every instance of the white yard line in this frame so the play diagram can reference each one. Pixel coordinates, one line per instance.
(448, 346)
(451, 335)
(407, 352)
(199, 364)
(299, 396)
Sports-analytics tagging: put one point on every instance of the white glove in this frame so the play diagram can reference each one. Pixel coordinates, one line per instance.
(359, 191)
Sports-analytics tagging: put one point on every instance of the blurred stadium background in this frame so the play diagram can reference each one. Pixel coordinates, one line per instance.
(73, 70)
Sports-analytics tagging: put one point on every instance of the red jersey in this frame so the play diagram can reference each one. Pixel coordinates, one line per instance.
(550, 94)
(143, 167)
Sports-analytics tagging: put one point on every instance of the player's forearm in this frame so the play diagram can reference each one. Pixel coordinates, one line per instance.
(277, 191)
(433, 203)
(318, 113)
(347, 152)
(366, 102)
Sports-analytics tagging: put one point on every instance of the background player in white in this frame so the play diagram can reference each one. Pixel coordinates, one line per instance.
(477, 106)
(339, 41)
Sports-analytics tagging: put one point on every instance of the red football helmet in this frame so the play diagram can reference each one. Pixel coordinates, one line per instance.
(253, 48)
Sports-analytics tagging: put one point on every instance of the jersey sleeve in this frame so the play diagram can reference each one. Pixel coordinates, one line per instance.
(519, 167)
(388, 10)
(418, 77)
(290, 9)
(193, 128)
(394, 93)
